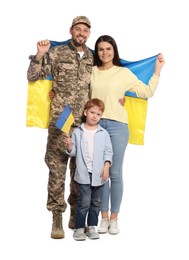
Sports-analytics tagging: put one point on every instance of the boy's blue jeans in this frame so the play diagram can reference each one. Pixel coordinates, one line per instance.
(88, 205)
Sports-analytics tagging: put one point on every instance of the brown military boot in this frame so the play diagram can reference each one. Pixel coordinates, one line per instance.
(57, 229)
(71, 223)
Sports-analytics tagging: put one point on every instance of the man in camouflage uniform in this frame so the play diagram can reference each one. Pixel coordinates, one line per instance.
(71, 67)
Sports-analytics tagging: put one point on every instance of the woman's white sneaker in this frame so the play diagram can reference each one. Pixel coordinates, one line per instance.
(113, 228)
(104, 225)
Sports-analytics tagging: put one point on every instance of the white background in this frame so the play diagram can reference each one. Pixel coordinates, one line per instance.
(154, 218)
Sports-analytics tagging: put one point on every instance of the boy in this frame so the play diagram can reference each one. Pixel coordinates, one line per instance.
(91, 145)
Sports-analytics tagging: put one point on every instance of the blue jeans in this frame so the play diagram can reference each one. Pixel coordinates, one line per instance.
(113, 189)
(88, 205)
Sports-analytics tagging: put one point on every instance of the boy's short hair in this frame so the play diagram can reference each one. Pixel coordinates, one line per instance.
(95, 102)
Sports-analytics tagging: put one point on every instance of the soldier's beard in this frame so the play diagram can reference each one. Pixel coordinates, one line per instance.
(78, 44)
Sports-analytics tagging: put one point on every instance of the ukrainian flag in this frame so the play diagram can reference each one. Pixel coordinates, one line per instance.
(38, 103)
(65, 120)
(137, 107)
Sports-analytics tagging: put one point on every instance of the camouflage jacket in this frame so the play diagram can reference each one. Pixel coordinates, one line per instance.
(70, 78)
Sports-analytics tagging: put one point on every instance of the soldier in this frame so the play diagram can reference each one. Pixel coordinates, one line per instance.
(70, 66)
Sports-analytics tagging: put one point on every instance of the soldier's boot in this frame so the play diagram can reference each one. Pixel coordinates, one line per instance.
(71, 223)
(57, 228)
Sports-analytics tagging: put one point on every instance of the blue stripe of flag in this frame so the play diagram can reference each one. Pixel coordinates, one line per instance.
(63, 117)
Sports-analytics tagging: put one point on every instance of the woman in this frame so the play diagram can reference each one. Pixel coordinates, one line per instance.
(109, 82)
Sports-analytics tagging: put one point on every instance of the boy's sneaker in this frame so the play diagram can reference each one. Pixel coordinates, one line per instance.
(79, 234)
(104, 225)
(113, 228)
(92, 233)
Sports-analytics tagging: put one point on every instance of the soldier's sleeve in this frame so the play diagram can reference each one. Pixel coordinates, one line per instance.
(38, 69)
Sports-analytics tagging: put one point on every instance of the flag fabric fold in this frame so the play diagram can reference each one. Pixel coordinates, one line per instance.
(38, 102)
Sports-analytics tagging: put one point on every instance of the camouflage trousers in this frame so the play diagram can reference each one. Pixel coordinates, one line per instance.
(74, 190)
(57, 160)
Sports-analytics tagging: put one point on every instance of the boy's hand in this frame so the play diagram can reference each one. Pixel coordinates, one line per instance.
(68, 142)
(105, 172)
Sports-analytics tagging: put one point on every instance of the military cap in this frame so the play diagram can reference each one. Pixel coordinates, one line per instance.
(81, 19)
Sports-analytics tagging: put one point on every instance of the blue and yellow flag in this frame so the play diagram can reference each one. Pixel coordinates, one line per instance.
(137, 107)
(65, 120)
(38, 103)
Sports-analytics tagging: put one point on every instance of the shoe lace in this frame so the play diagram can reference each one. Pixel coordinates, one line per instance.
(104, 222)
